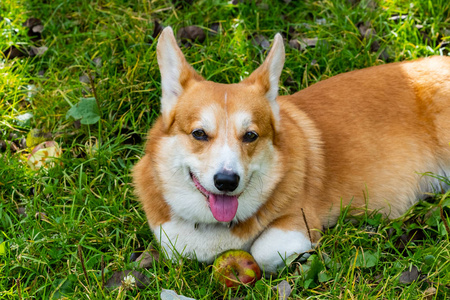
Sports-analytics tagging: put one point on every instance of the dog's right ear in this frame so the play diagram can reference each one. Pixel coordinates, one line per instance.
(176, 73)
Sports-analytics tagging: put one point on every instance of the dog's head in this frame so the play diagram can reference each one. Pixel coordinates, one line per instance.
(217, 160)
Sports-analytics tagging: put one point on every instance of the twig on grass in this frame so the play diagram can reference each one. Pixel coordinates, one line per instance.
(97, 100)
(307, 227)
(80, 256)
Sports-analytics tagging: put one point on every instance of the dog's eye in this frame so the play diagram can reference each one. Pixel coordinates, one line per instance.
(250, 136)
(199, 134)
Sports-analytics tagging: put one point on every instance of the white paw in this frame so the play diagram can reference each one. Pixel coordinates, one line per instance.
(274, 245)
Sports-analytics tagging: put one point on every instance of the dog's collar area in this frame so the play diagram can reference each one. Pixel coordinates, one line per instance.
(229, 225)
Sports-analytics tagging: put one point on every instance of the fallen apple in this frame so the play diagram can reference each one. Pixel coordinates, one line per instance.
(44, 154)
(235, 267)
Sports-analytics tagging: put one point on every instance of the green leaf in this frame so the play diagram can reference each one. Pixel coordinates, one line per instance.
(375, 220)
(86, 111)
(446, 202)
(429, 259)
(64, 286)
(308, 282)
(316, 266)
(323, 276)
(366, 259)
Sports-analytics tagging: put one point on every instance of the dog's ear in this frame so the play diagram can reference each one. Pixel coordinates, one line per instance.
(267, 76)
(176, 73)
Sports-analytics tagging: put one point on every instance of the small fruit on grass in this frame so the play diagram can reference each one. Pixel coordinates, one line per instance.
(235, 267)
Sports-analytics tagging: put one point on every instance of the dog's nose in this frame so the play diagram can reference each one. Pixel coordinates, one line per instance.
(226, 182)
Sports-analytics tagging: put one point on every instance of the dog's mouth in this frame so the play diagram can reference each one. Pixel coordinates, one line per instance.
(223, 207)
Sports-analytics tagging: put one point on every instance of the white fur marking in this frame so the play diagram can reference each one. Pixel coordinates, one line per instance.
(242, 121)
(208, 119)
(226, 119)
(275, 63)
(204, 243)
(170, 65)
(274, 246)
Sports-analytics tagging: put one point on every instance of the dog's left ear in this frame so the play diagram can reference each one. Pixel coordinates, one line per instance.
(176, 73)
(268, 74)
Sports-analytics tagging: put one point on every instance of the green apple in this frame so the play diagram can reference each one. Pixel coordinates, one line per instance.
(235, 267)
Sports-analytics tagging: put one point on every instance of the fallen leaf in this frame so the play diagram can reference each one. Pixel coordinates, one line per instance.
(98, 62)
(260, 40)
(37, 28)
(38, 51)
(86, 111)
(21, 211)
(43, 155)
(191, 33)
(84, 79)
(366, 259)
(284, 290)
(429, 293)
(128, 278)
(310, 42)
(171, 295)
(366, 30)
(295, 44)
(409, 276)
(64, 287)
(145, 260)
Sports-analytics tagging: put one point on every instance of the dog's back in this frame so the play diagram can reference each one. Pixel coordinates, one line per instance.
(382, 128)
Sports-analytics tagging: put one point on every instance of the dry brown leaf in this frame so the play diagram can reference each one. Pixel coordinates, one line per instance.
(260, 40)
(409, 276)
(191, 33)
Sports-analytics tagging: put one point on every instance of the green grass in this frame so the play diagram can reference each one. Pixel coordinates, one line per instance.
(89, 201)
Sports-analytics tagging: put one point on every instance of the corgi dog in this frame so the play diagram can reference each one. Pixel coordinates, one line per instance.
(236, 166)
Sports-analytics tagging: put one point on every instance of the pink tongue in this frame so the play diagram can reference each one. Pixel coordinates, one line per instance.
(223, 207)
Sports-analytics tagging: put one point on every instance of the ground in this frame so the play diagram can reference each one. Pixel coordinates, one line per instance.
(84, 74)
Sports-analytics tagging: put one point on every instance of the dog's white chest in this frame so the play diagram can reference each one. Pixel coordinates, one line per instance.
(203, 242)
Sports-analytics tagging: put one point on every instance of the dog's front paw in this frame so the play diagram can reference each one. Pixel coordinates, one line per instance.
(274, 245)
